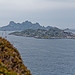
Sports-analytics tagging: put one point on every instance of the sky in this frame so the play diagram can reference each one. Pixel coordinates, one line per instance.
(56, 13)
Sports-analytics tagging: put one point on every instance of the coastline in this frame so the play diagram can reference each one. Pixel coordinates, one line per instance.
(37, 37)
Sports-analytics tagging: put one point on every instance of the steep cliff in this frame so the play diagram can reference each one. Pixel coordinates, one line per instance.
(12, 26)
(10, 60)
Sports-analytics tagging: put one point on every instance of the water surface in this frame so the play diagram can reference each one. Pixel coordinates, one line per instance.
(46, 56)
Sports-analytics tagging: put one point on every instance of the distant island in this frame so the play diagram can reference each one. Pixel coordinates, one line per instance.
(52, 33)
(12, 26)
(69, 30)
(29, 29)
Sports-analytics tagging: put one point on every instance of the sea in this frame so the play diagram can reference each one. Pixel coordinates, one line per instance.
(45, 56)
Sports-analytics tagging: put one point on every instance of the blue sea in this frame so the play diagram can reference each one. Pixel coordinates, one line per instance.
(46, 56)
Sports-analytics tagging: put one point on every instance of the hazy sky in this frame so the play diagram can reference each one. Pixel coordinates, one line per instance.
(59, 13)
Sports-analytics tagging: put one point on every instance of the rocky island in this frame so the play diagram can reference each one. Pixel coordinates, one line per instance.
(10, 60)
(12, 26)
(52, 33)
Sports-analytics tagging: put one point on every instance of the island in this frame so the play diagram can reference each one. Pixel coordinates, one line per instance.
(11, 62)
(12, 26)
(52, 33)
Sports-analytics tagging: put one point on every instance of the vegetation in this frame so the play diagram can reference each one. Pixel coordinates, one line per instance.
(10, 60)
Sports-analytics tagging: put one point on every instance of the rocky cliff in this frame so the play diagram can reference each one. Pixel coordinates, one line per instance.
(12, 26)
(10, 60)
(53, 33)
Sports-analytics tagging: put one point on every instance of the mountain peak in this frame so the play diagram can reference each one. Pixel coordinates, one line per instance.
(37, 23)
(26, 22)
(12, 23)
(12, 26)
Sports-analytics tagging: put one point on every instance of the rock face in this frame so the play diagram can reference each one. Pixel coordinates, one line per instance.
(12, 26)
(53, 33)
(10, 60)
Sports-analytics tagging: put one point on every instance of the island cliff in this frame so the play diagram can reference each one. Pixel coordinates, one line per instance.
(53, 33)
(10, 60)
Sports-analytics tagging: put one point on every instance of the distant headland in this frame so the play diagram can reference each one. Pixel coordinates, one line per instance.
(29, 29)
(52, 33)
(12, 26)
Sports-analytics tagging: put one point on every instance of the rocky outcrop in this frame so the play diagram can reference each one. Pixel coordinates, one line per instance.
(12, 26)
(53, 33)
(10, 60)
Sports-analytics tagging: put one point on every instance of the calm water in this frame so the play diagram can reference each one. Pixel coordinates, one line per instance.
(46, 56)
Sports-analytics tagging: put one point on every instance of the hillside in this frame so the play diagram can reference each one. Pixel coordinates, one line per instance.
(45, 34)
(10, 60)
(12, 26)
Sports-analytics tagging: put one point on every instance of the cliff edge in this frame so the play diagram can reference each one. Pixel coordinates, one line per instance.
(10, 60)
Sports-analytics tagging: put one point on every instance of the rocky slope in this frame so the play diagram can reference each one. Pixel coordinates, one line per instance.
(53, 33)
(10, 60)
(12, 26)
